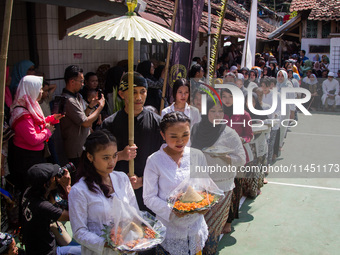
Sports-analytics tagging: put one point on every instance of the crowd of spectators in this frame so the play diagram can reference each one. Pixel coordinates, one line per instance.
(38, 127)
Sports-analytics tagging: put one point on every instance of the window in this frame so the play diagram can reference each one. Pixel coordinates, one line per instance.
(336, 57)
(319, 49)
(312, 29)
(326, 28)
(337, 27)
(155, 50)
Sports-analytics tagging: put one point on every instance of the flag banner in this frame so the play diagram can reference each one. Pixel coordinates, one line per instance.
(249, 48)
(187, 24)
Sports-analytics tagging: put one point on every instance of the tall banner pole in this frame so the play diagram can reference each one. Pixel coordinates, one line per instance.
(168, 58)
(249, 47)
(209, 39)
(3, 63)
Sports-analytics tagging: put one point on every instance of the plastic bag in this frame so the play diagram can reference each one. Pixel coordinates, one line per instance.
(131, 230)
(194, 195)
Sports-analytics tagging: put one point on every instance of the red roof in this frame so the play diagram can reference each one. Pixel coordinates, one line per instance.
(235, 25)
(326, 10)
(302, 5)
(320, 9)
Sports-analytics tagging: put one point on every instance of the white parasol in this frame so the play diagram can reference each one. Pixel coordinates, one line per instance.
(129, 27)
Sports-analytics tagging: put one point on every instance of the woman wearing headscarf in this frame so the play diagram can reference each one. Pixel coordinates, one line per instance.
(147, 69)
(311, 83)
(31, 128)
(21, 69)
(206, 134)
(253, 76)
(283, 82)
(245, 134)
(267, 98)
(317, 69)
(272, 70)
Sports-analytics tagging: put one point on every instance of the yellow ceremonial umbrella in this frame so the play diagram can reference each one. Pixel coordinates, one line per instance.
(129, 27)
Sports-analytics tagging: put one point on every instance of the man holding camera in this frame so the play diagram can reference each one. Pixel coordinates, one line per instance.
(75, 127)
(39, 210)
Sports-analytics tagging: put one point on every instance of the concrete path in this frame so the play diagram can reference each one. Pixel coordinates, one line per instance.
(295, 215)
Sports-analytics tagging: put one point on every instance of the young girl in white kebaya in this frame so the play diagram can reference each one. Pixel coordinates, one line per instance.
(164, 171)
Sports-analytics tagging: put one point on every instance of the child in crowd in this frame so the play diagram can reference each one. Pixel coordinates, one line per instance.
(8, 245)
(92, 94)
(46, 98)
(164, 171)
(90, 199)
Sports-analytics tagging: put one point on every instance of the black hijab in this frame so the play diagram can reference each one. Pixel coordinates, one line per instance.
(228, 110)
(204, 134)
(144, 69)
(257, 107)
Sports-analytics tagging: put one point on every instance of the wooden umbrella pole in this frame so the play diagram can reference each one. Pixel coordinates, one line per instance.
(131, 113)
(168, 57)
(3, 63)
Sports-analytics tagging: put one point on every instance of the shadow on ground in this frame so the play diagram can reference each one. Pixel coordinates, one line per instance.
(244, 216)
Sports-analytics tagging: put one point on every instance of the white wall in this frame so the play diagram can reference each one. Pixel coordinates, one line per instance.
(334, 65)
(54, 54)
(305, 42)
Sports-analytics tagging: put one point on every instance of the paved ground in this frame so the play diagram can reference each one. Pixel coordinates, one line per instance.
(295, 215)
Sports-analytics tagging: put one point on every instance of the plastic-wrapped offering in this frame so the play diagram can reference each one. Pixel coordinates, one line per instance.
(131, 230)
(194, 195)
(217, 150)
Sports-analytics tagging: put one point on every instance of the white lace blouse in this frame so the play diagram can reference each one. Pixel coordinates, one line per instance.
(89, 211)
(190, 111)
(161, 176)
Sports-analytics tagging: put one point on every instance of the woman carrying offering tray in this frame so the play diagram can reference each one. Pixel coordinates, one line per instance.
(90, 199)
(222, 147)
(164, 172)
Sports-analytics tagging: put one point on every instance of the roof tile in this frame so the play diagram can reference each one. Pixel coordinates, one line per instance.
(302, 5)
(236, 25)
(326, 10)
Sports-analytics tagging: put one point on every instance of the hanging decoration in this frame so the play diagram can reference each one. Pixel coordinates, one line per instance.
(213, 55)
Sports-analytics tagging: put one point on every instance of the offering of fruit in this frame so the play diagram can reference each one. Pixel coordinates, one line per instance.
(131, 235)
(134, 236)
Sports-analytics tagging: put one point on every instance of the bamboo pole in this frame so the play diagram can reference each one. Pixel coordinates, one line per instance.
(217, 36)
(168, 58)
(209, 40)
(131, 113)
(3, 64)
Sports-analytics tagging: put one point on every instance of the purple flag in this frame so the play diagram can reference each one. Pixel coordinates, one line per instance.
(187, 24)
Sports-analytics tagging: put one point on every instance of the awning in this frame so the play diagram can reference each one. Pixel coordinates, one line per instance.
(154, 18)
(104, 6)
(285, 27)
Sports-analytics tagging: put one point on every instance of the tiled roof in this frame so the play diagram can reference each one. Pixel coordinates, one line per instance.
(234, 25)
(320, 9)
(326, 10)
(302, 5)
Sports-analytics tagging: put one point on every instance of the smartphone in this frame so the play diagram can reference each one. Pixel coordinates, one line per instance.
(59, 105)
(99, 94)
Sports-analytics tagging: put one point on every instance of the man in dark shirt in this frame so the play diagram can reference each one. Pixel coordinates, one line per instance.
(75, 126)
(147, 134)
(39, 212)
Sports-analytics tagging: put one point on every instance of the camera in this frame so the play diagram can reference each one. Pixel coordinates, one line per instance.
(69, 167)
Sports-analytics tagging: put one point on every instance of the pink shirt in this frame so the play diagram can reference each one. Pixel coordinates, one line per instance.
(30, 136)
